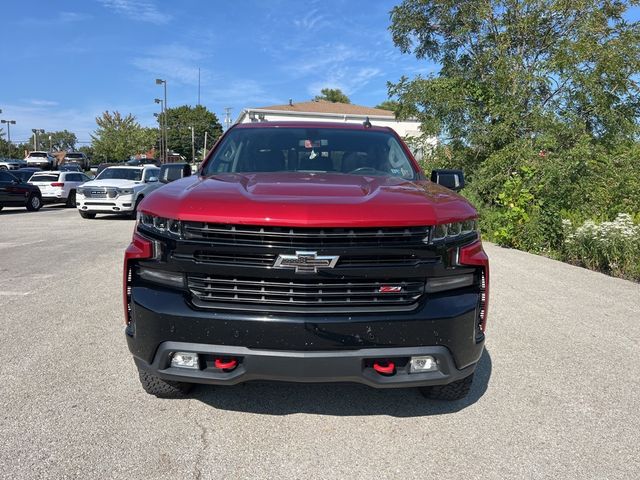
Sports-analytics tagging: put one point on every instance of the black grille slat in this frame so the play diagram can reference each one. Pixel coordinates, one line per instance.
(235, 290)
(302, 237)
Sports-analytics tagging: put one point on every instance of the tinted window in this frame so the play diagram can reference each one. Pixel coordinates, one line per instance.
(74, 155)
(151, 172)
(44, 178)
(134, 174)
(24, 176)
(73, 177)
(6, 177)
(358, 152)
(37, 154)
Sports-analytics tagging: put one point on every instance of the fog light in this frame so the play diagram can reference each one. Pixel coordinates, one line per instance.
(185, 360)
(423, 364)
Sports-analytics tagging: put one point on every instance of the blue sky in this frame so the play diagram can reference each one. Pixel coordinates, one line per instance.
(65, 62)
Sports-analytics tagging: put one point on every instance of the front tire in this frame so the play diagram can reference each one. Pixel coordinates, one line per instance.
(86, 214)
(134, 213)
(71, 199)
(34, 203)
(162, 388)
(453, 391)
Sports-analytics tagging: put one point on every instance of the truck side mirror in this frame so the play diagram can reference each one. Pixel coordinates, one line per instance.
(452, 179)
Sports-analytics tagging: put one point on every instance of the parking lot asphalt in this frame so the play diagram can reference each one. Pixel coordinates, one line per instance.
(557, 393)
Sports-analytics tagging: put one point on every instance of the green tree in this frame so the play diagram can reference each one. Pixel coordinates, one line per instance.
(180, 119)
(60, 140)
(119, 137)
(546, 71)
(390, 105)
(537, 100)
(334, 95)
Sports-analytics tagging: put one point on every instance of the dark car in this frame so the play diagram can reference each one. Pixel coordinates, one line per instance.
(70, 167)
(25, 174)
(16, 193)
(308, 252)
(170, 172)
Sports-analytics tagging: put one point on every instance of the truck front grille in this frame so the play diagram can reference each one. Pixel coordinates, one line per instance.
(322, 293)
(268, 236)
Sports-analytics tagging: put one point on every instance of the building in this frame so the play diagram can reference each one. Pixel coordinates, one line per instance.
(324, 111)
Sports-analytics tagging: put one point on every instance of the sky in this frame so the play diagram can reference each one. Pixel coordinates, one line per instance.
(65, 62)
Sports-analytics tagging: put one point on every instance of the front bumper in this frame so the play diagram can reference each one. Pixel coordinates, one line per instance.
(311, 367)
(122, 204)
(304, 348)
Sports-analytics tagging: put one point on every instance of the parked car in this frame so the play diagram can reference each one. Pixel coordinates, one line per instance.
(170, 172)
(78, 158)
(59, 187)
(70, 167)
(25, 174)
(308, 252)
(117, 190)
(15, 193)
(44, 160)
(11, 164)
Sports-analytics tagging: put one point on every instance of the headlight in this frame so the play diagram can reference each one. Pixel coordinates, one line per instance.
(450, 231)
(160, 225)
(125, 191)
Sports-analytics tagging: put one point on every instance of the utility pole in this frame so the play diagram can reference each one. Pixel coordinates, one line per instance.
(193, 145)
(198, 86)
(50, 148)
(9, 123)
(227, 117)
(159, 81)
(36, 131)
(204, 150)
(163, 119)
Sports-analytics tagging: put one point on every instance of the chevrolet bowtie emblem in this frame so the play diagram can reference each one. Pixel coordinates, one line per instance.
(306, 262)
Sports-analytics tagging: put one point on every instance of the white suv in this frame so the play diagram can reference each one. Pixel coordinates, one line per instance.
(59, 187)
(117, 190)
(43, 160)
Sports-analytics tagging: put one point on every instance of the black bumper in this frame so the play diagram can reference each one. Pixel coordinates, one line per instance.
(305, 348)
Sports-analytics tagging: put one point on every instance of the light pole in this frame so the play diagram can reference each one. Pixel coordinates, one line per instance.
(159, 81)
(50, 148)
(163, 120)
(204, 150)
(193, 145)
(9, 123)
(36, 131)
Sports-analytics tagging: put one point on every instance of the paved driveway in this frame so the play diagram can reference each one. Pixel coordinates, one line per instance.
(557, 393)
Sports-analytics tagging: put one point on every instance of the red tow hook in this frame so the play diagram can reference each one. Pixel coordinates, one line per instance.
(225, 364)
(384, 367)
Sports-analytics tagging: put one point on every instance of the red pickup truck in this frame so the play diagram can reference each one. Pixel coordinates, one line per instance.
(307, 252)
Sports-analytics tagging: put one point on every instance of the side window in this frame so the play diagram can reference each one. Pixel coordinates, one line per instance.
(151, 172)
(5, 177)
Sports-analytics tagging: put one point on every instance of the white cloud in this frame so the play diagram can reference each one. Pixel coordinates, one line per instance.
(43, 103)
(140, 10)
(174, 63)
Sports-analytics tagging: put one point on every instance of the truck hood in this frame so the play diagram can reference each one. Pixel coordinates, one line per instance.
(307, 199)
(111, 182)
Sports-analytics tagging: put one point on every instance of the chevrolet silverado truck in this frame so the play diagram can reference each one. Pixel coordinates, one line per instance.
(117, 190)
(307, 252)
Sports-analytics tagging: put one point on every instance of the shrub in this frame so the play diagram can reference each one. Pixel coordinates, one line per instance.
(611, 247)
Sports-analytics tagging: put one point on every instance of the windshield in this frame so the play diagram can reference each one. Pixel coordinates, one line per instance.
(24, 176)
(333, 150)
(134, 174)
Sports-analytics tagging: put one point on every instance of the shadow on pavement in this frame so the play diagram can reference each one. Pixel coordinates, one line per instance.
(338, 399)
(23, 210)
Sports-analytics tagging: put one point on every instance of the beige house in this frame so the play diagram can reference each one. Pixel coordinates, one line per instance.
(324, 111)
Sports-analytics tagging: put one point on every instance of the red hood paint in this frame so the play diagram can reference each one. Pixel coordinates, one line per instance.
(305, 199)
